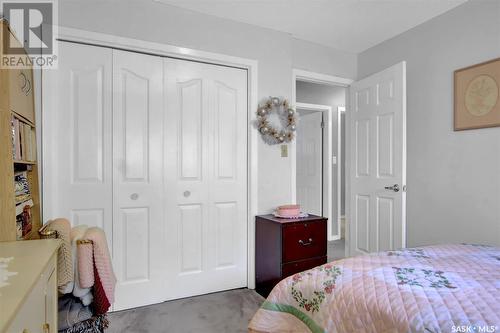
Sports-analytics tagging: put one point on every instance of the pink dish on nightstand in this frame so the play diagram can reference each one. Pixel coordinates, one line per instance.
(288, 210)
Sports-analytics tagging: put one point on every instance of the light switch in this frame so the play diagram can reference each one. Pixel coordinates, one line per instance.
(284, 150)
(334, 159)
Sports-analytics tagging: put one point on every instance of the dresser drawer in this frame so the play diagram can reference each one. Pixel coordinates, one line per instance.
(304, 241)
(300, 266)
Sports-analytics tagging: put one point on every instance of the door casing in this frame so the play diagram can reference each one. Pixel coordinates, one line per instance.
(328, 176)
(319, 78)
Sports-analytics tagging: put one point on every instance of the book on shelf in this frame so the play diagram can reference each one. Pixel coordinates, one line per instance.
(16, 144)
(23, 222)
(21, 206)
(23, 141)
(21, 184)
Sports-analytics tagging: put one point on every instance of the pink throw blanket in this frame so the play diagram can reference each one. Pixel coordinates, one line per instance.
(85, 257)
(96, 254)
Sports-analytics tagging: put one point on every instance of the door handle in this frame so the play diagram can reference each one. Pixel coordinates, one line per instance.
(134, 196)
(394, 188)
(309, 242)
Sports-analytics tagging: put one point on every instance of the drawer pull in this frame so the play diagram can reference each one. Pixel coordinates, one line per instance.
(309, 242)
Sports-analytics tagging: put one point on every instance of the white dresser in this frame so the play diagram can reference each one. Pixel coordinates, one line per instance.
(28, 304)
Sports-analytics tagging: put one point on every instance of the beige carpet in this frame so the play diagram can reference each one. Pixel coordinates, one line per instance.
(228, 311)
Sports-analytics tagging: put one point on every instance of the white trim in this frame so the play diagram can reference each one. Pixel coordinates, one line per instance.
(326, 109)
(306, 76)
(340, 110)
(347, 175)
(99, 39)
(293, 146)
(318, 78)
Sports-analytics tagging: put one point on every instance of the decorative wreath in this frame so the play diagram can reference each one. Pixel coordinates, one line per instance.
(288, 119)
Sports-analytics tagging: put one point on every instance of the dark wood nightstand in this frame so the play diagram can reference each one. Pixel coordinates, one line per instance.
(287, 246)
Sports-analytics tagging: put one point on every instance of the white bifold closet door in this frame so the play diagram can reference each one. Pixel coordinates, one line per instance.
(154, 151)
(77, 137)
(138, 212)
(206, 177)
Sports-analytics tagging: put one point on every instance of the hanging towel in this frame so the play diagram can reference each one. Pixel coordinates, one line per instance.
(85, 264)
(85, 294)
(65, 270)
(104, 275)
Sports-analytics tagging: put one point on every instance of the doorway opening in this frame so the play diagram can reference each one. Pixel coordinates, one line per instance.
(320, 156)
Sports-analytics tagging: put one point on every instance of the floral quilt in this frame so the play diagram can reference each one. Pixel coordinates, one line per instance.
(445, 288)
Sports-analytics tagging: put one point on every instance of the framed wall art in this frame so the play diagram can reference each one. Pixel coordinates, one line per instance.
(477, 96)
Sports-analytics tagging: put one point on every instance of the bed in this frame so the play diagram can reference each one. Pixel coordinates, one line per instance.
(445, 288)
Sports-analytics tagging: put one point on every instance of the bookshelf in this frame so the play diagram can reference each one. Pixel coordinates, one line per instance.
(19, 190)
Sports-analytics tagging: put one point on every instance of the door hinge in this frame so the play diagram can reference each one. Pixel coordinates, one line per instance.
(322, 124)
(404, 188)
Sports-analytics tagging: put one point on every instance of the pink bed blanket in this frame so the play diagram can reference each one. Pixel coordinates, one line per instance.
(446, 288)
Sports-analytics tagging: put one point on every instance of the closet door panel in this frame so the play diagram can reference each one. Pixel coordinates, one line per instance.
(206, 177)
(138, 179)
(190, 129)
(228, 188)
(77, 170)
(135, 98)
(226, 124)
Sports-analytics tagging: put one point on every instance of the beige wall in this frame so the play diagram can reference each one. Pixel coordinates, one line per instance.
(156, 22)
(453, 177)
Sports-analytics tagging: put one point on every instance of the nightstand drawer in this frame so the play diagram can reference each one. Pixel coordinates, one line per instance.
(304, 241)
(300, 266)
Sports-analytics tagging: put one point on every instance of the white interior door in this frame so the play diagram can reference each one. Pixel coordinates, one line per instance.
(206, 178)
(309, 162)
(377, 135)
(77, 140)
(138, 212)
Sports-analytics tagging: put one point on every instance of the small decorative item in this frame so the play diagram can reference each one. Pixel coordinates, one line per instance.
(276, 121)
(477, 96)
(289, 212)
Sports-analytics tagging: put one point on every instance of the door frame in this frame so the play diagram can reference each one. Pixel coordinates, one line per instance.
(166, 50)
(327, 148)
(319, 78)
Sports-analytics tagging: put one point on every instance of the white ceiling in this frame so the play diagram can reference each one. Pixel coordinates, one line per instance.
(349, 25)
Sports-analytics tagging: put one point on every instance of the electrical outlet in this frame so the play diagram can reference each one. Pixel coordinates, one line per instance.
(284, 150)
